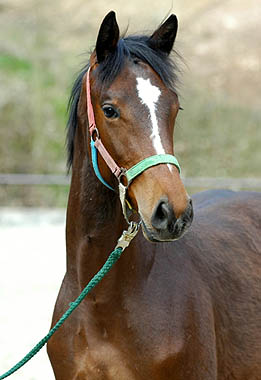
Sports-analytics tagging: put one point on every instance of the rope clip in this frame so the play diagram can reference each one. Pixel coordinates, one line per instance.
(128, 235)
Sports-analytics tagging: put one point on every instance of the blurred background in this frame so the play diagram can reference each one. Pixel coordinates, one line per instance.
(45, 42)
(43, 45)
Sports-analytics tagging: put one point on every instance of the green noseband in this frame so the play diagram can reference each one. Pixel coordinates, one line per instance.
(136, 170)
(148, 162)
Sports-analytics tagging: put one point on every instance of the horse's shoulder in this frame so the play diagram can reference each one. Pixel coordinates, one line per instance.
(227, 204)
(211, 195)
(225, 233)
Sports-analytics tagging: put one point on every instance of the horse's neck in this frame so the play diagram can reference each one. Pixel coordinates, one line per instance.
(94, 223)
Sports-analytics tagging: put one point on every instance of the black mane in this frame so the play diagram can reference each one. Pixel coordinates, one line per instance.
(128, 48)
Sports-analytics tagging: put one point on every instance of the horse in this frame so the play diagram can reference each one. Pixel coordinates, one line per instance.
(183, 302)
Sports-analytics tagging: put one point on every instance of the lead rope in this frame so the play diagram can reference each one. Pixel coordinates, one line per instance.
(122, 244)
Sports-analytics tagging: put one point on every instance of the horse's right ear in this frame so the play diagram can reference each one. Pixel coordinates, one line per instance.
(108, 37)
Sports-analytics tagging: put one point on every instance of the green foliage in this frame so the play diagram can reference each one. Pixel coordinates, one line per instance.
(14, 65)
(216, 137)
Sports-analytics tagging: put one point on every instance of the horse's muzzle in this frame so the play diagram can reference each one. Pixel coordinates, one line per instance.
(164, 224)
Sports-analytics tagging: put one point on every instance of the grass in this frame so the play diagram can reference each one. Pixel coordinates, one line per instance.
(216, 137)
(13, 65)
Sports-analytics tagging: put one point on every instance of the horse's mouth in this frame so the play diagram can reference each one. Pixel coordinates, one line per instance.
(154, 236)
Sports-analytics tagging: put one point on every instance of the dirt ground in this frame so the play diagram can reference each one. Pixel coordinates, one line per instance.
(32, 265)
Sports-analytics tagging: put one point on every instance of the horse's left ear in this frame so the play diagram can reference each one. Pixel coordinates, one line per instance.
(164, 37)
(108, 37)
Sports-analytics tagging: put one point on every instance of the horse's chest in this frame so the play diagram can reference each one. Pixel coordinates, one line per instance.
(123, 353)
(104, 361)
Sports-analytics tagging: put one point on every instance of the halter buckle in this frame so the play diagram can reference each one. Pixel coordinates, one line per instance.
(94, 133)
(122, 178)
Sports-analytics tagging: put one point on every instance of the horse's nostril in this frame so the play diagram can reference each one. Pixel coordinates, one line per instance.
(163, 216)
(162, 211)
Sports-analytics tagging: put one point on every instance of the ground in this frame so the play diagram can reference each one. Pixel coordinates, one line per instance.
(32, 265)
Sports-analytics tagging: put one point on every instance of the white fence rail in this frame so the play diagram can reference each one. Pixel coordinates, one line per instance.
(196, 182)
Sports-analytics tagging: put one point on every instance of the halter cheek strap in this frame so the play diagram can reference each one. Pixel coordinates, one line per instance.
(130, 174)
(94, 152)
(97, 145)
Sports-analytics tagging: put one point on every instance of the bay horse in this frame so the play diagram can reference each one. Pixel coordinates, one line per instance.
(181, 306)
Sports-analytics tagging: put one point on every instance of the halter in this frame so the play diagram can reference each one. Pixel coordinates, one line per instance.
(120, 173)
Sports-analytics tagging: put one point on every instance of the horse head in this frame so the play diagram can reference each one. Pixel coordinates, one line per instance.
(135, 104)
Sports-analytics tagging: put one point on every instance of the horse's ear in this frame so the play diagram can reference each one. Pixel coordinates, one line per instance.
(164, 37)
(108, 37)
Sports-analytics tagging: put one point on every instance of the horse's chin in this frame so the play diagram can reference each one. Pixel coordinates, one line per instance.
(147, 234)
(153, 236)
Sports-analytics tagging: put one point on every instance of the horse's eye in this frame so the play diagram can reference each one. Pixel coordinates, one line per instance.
(110, 112)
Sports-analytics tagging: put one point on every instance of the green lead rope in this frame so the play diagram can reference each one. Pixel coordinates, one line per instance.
(114, 256)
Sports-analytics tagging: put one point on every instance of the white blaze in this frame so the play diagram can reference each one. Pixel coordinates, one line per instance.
(149, 96)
